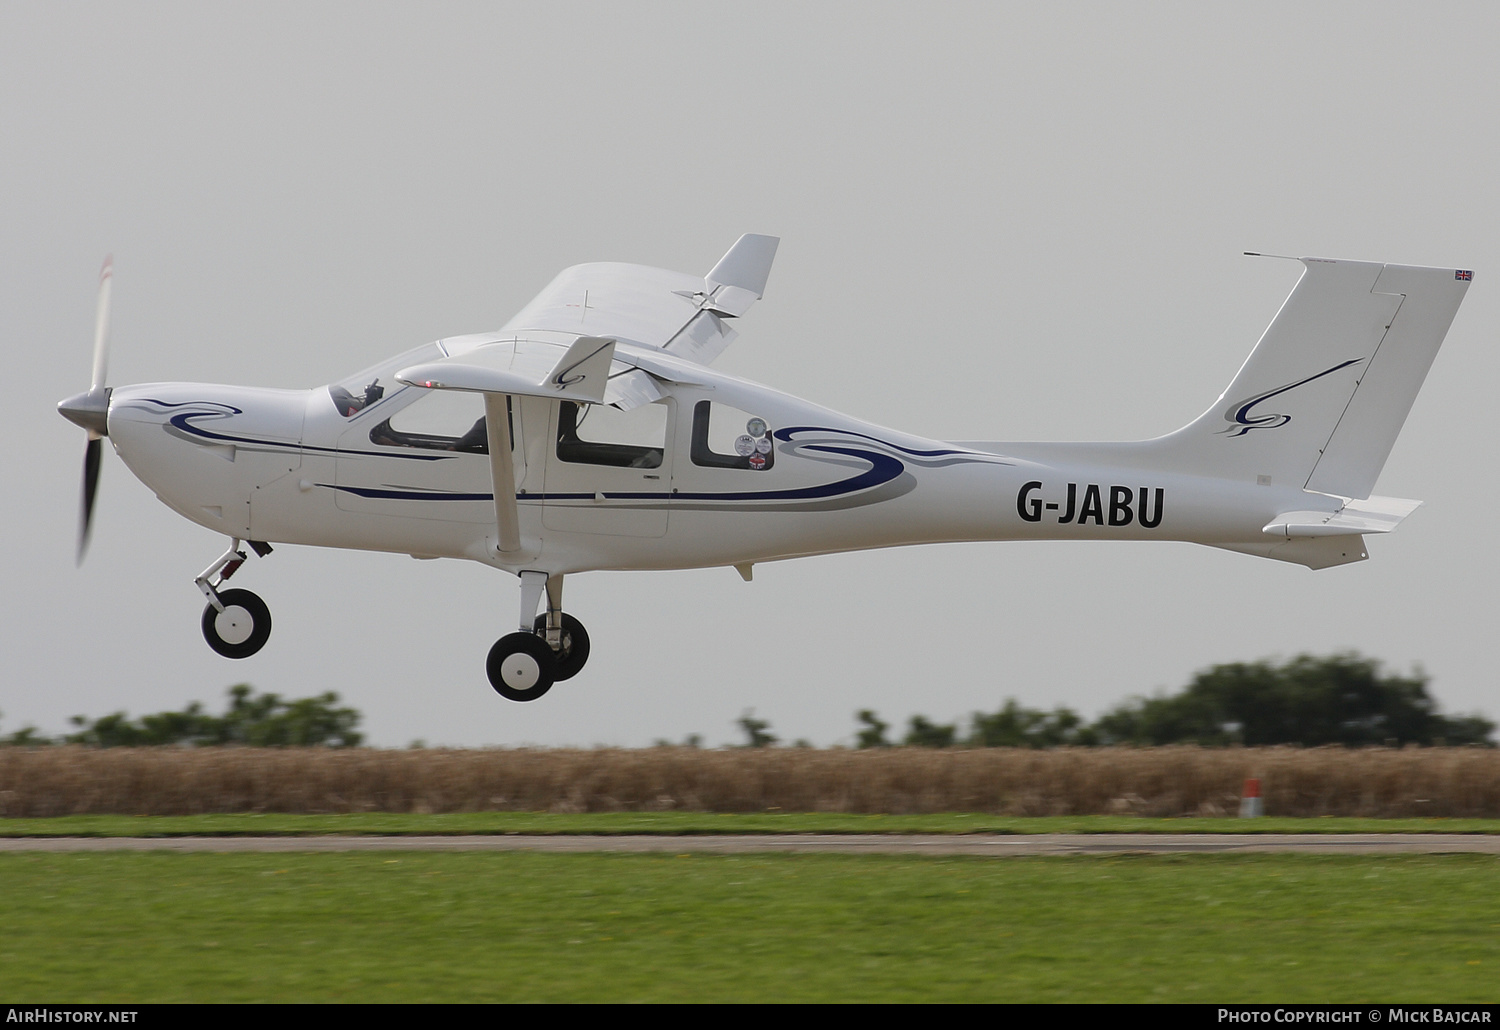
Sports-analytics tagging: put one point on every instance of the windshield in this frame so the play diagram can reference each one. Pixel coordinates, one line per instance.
(363, 389)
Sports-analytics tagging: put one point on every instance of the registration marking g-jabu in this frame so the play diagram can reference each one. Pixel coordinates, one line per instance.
(1090, 502)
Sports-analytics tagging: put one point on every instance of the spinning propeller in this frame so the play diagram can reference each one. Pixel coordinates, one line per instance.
(90, 410)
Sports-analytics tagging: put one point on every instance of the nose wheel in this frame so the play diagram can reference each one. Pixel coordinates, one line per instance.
(242, 628)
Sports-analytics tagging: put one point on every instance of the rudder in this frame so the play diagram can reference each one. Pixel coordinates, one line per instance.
(1383, 395)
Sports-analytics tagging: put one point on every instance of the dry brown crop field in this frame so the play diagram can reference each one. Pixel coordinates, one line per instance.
(1164, 781)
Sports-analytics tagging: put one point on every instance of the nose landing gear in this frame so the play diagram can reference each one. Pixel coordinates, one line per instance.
(522, 666)
(236, 623)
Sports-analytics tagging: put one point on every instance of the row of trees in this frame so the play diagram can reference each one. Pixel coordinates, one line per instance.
(1342, 699)
(264, 720)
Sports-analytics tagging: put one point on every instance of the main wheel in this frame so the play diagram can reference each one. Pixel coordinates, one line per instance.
(575, 646)
(241, 629)
(521, 667)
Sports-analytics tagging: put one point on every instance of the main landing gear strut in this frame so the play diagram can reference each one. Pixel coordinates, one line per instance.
(553, 646)
(236, 623)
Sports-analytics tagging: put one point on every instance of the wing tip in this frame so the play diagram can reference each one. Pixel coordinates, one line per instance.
(747, 264)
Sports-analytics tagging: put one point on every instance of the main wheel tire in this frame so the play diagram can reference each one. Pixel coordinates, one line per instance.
(521, 667)
(242, 628)
(575, 646)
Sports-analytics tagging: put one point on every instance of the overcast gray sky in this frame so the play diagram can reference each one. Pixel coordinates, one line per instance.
(998, 221)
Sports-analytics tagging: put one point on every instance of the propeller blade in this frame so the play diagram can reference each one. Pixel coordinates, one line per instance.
(101, 326)
(90, 491)
(91, 410)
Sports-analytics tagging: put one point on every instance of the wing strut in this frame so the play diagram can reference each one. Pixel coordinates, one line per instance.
(502, 471)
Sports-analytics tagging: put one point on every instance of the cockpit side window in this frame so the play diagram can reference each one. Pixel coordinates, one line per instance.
(599, 434)
(728, 438)
(443, 420)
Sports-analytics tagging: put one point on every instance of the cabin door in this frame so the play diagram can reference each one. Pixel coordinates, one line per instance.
(609, 471)
(427, 458)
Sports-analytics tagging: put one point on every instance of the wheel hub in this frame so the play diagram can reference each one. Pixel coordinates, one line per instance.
(234, 624)
(520, 671)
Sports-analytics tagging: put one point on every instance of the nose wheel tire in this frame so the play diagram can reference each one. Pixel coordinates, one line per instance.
(574, 651)
(521, 667)
(241, 629)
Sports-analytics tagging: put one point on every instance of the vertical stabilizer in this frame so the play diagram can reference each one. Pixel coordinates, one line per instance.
(1320, 400)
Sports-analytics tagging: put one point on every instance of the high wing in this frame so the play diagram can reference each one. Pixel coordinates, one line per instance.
(681, 314)
(554, 365)
(600, 332)
(562, 345)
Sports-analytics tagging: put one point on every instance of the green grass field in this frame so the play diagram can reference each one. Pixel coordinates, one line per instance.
(695, 823)
(380, 927)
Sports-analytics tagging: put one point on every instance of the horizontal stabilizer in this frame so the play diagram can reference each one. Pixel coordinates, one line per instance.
(1373, 515)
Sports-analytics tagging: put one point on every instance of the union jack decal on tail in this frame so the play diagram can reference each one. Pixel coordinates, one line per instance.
(1466, 276)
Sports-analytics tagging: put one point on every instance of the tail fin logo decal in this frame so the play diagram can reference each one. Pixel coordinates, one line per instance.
(1240, 419)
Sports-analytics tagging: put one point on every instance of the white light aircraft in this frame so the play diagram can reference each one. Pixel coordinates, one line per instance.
(590, 433)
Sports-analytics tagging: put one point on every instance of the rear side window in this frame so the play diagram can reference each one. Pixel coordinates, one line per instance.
(729, 438)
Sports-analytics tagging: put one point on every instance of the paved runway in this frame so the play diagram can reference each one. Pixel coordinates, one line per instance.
(848, 844)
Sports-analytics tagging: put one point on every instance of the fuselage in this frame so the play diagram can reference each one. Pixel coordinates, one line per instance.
(716, 471)
(590, 433)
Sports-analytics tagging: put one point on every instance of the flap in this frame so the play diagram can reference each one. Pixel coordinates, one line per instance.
(629, 390)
